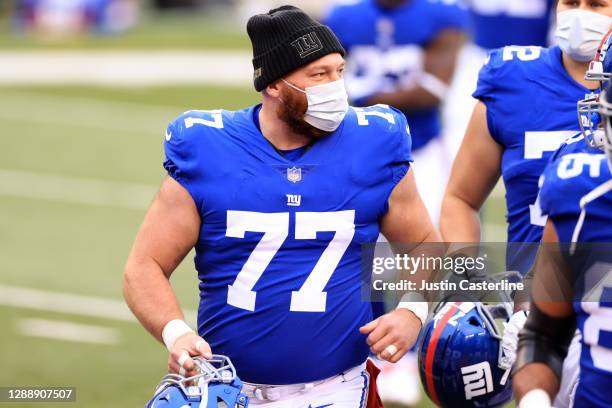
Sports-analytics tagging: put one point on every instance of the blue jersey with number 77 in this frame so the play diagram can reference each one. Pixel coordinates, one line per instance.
(572, 183)
(279, 256)
(531, 110)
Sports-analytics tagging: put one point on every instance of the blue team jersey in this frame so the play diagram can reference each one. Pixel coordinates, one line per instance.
(566, 182)
(279, 255)
(497, 23)
(386, 51)
(575, 144)
(531, 110)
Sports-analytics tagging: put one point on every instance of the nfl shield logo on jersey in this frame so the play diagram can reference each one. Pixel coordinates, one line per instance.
(294, 174)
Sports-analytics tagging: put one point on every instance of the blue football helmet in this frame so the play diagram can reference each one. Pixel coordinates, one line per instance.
(216, 385)
(600, 70)
(460, 353)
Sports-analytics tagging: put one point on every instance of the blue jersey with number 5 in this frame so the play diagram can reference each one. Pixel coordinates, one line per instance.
(531, 109)
(279, 256)
(567, 181)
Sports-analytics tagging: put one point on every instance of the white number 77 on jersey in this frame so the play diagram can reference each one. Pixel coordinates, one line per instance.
(275, 226)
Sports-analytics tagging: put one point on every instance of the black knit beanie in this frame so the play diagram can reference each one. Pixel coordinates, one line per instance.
(286, 39)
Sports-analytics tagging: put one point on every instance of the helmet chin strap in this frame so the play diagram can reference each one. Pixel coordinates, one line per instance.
(203, 384)
(584, 201)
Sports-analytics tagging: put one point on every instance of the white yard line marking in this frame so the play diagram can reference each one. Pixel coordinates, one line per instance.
(95, 103)
(75, 190)
(87, 113)
(26, 298)
(35, 299)
(68, 331)
(126, 68)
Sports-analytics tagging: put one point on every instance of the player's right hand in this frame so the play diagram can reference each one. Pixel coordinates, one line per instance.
(509, 342)
(187, 346)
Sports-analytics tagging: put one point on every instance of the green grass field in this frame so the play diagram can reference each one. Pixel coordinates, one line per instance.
(77, 169)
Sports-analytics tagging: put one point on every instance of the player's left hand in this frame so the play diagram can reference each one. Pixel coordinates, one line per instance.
(393, 334)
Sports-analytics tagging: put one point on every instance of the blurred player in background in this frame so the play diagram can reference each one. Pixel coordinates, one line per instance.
(577, 197)
(277, 200)
(526, 109)
(497, 23)
(68, 17)
(494, 24)
(402, 53)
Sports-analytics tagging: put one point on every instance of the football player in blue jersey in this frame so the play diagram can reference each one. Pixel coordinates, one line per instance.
(589, 140)
(519, 121)
(526, 109)
(576, 255)
(494, 24)
(74, 15)
(278, 200)
(404, 55)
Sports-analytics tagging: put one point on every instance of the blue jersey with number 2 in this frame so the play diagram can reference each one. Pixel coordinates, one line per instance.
(531, 109)
(567, 181)
(279, 256)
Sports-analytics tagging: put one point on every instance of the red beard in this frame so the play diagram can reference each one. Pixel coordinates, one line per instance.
(291, 110)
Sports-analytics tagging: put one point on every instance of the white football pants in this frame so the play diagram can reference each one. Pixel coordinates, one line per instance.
(347, 390)
(570, 374)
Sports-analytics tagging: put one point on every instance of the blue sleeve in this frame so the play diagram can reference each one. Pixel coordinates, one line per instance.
(559, 196)
(489, 89)
(401, 163)
(399, 149)
(567, 147)
(380, 136)
(182, 154)
(564, 149)
(547, 191)
(575, 144)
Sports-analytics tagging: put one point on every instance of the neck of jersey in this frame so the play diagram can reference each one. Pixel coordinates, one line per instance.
(292, 154)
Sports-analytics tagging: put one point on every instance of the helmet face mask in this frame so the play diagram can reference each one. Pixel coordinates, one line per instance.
(590, 122)
(596, 72)
(216, 380)
(600, 69)
(606, 115)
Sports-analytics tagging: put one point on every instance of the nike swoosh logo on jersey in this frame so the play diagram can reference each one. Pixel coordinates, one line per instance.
(320, 406)
(168, 136)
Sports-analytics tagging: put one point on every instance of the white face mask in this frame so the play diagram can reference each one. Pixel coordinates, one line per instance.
(579, 33)
(327, 104)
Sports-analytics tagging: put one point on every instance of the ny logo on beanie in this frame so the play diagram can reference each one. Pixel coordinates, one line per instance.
(307, 44)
